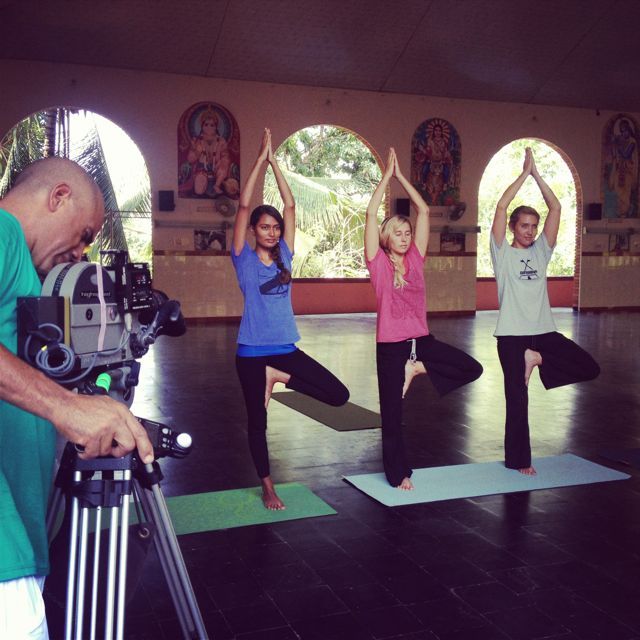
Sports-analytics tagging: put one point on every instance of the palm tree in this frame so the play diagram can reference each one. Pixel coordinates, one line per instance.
(332, 175)
(21, 146)
(329, 226)
(49, 133)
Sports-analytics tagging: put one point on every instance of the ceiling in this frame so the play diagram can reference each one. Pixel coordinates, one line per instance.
(577, 53)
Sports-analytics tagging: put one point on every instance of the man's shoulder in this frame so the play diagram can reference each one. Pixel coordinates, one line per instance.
(7, 217)
(11, 229)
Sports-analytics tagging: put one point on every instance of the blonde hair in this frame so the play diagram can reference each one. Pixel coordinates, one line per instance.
(387, 229)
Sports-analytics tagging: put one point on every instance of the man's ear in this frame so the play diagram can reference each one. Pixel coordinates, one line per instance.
(59, 196)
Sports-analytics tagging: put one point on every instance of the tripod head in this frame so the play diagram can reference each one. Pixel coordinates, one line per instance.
(166, 443)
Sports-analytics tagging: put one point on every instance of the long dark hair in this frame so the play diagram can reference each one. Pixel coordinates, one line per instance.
(284, 275)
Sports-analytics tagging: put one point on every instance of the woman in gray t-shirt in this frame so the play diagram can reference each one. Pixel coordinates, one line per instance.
(526, 331)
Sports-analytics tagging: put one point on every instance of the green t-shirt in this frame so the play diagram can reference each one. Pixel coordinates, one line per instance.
(27, 443)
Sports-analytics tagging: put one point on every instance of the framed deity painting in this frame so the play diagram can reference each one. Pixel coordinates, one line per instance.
(209, 156)
(620, 168)
(435, 162)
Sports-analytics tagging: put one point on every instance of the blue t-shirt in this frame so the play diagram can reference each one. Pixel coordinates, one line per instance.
(267, 318)
(27, 442)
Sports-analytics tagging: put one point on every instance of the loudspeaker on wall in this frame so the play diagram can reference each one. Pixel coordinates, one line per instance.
(403, 206)
(594, 211)
(165, 201)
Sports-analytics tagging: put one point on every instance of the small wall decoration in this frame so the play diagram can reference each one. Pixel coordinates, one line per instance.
(435, 162)
(620, 167)
(452, 242)
(618, 243)
(209, 239)
(209, 156)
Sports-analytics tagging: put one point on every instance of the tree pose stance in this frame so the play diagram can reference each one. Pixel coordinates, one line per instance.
(526, 332)
(266, 341)
(404, 347)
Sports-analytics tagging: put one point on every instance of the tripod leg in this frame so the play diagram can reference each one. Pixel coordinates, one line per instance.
(179, 562)
(71, 574)
(122, 569)
(111, 574)
(82, 571)
(96, 572)
(168, 566)
(111, 489)
(173, 564)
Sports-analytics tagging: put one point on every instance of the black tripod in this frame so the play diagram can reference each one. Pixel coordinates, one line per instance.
(92, 485)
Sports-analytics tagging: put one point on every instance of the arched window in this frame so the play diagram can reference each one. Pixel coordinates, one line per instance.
(107, 153)
(332, 173)
(502, 170)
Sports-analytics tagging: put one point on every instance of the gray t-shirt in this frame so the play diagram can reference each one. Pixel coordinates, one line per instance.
(521, 275)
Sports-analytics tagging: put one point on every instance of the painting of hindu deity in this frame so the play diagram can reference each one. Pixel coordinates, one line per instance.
(620, 167)
(435, 162)
(209, 156)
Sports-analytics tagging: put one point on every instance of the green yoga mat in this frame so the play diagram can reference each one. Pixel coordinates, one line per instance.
(484, 479)
(233, 508)
(348, 417)
(242, 507)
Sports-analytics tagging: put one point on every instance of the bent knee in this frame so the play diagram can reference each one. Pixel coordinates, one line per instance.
(593, 371)
(477, 370)
(341, 397)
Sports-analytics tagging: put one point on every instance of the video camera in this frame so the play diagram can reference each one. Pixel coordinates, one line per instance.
(93, 319)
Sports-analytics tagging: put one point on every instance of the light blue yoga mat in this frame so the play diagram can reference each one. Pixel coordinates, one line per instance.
(484, 479)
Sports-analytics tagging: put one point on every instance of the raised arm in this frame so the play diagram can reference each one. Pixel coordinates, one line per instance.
(421, 237)
(552, 221)
(289, 209)
(371, 231)
(242, 216)
(499, 227)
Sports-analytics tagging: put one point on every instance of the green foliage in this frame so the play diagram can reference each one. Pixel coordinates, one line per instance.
(333, 153)
(21, 146)
(502, 170)
(90, 155)
(332, 175)
(121, 231)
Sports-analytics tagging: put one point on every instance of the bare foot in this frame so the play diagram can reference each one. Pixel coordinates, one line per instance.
(411, 370)
(270, 497)
(532, 359)
(406, 485)
(528, 471)
(272, 376)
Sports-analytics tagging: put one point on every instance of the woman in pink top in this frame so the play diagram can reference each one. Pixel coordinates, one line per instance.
(404, 347)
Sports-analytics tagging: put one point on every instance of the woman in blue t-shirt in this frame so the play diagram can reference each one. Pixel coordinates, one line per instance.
(266, 341)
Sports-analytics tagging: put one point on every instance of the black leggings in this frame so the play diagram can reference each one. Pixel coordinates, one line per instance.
(563, 362)
(307, 376)
(447, 367)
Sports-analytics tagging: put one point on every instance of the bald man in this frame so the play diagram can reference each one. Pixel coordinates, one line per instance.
(51, 214)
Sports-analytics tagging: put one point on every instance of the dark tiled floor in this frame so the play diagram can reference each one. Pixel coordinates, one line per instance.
(556, 564)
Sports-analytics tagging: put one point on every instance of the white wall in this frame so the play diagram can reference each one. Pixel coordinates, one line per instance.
(148, 106)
